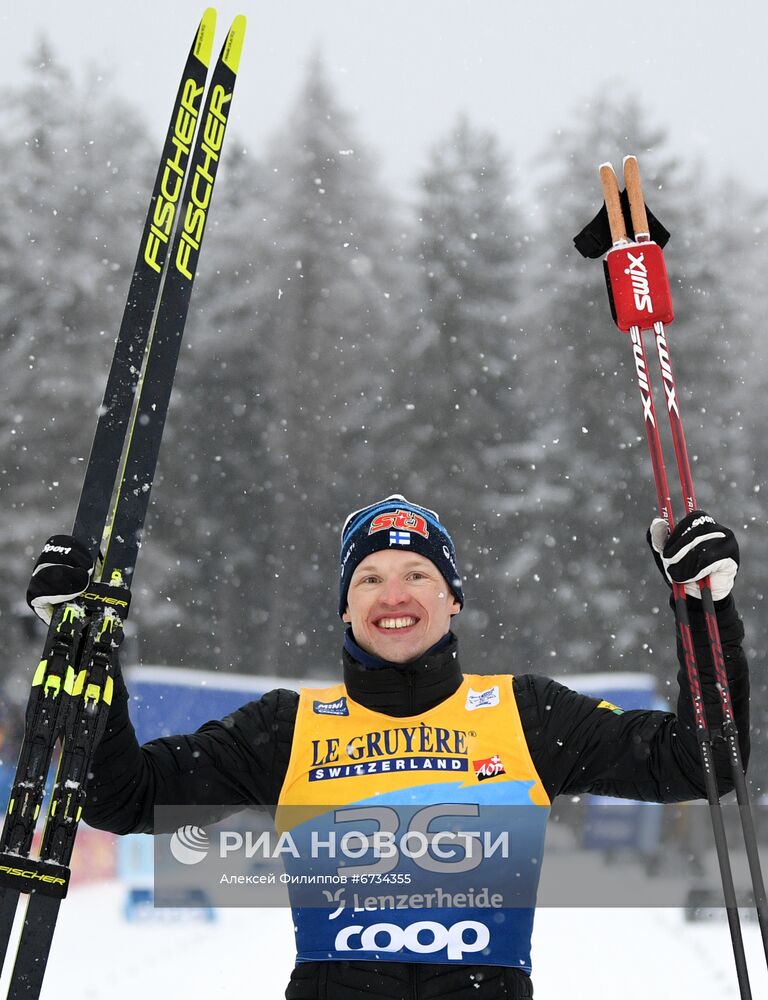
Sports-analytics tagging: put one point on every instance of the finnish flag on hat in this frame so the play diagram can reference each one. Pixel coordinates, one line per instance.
(399, 538)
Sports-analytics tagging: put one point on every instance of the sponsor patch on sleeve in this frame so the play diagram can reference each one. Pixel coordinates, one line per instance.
(611, 707)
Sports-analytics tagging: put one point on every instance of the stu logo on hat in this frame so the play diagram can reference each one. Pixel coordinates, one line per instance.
(405, 520)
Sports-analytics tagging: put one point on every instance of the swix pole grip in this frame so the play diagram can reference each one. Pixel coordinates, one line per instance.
(635, 272)
(638, 286)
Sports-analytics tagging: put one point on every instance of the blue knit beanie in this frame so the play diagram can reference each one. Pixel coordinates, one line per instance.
(396, 523)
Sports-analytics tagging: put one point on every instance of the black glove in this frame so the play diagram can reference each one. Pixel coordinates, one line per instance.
(62, 571)
(697, 547)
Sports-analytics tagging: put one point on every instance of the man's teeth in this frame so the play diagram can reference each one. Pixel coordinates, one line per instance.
(396, 622)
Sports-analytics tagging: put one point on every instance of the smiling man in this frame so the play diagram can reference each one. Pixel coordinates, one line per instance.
(399, 582)
(398, 605)
(408, 746)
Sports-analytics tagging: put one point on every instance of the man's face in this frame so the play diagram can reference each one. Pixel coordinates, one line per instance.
(398, 605)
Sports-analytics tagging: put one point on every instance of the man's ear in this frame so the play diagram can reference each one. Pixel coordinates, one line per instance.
(345, 617)
(455, 607)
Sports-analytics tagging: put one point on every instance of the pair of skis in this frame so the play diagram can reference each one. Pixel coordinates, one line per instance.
(641, 300)
(72, 685)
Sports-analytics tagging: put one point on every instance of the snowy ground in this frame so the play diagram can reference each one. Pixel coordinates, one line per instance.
(578, 954)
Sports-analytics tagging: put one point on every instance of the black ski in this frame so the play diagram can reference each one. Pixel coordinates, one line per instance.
(73, 684)
(123, 537)
(89, 688)
(48, 693)
(123, 378)
(41, 729)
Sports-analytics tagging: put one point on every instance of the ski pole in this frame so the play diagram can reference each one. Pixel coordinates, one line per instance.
(729, 729)
(627, 261)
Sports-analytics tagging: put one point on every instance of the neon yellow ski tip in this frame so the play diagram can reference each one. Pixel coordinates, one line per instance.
(233, 46)
(205, 33)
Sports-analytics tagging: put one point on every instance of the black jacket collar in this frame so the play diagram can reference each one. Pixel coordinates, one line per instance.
(407, 689)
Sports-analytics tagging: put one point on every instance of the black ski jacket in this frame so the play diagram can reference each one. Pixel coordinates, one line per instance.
(576, 748)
